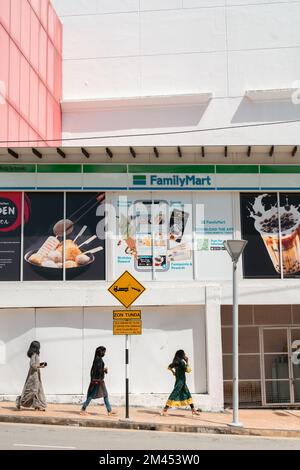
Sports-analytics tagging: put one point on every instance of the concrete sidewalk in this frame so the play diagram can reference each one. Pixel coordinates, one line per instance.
(281, 423)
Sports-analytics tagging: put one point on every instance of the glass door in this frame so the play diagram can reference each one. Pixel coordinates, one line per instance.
(276, 368)
(295, 362)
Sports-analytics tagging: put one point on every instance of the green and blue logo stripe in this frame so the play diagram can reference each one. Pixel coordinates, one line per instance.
(139, 180)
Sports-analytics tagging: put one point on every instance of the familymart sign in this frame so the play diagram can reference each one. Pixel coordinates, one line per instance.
(117, 177)
(173, 181)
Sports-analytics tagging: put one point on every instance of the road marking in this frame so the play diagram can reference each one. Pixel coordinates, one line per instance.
(45, 446)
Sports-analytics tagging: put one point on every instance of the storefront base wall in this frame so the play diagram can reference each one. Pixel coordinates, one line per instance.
(146, 400)
(69, 337)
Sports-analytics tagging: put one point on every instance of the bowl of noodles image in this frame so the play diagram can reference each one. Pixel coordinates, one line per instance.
(50, 264)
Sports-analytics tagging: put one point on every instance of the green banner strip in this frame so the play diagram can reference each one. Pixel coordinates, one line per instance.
(145, 169)
(282, 169)
(104, 168)
(18, 168)
(237, 169)
(60, 168)
(193, 169)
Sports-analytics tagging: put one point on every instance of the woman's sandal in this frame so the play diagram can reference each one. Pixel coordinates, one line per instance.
(163, 413)
(196, 412)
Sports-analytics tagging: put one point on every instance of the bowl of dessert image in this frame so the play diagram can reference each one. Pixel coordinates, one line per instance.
(48, 260)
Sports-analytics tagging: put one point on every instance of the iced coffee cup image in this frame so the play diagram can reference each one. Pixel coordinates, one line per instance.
(267, 225)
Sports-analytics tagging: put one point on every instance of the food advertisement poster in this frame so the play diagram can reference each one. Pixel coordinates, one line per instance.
(10, 235)
(46, 209)
(84, 255)
(85, 245)
(154, 236)
(272, 231)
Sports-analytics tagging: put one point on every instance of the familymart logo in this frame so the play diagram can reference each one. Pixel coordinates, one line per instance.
(139, 180)
(179, 181)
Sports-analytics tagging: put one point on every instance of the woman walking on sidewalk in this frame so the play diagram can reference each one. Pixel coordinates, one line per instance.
(97, 388)
(33, 393)
(180, 395)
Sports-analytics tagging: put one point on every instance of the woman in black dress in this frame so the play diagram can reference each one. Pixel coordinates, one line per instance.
(97, 388)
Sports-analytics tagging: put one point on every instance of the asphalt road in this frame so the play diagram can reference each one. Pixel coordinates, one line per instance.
(26, 436)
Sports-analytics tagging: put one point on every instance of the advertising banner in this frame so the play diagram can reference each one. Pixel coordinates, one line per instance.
(271, 227)
(10, 235)
(40, 240)
(173, 238)
(154, 236)
(84, 244)
(213, 225)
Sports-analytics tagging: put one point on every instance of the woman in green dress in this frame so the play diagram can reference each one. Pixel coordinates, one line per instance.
(180, 395)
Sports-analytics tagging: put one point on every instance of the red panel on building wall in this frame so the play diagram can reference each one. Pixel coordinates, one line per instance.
(15, 20)
(24, 87)
(30, 73)
(13, 125)
(43, 55)
(44, 13)
(4, 54)
(25, 29)
(14, 76)
(5, 13)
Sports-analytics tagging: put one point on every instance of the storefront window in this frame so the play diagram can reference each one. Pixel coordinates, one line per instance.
(154, 236)
(85, 245)
(270, 223)
(43, 250)
(259, 221)
(173, 236)
(62, 236)
(10, 235)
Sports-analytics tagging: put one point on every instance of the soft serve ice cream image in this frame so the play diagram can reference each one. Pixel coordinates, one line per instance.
(279, 226)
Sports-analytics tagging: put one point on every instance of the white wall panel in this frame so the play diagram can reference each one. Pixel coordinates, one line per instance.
(17, 330)
(60, 334)
(263, 26)
(112, 6)
(263, 69)
(202, 3)
(101, 36)
(92, 7)
(184, 73)
(256, 2)
(98, 325)
(166, 32)
(160, 4)
(101, 78)
(75, 7)
(165, 330)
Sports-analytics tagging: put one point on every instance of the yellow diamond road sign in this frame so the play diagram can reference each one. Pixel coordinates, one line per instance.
(126, 289)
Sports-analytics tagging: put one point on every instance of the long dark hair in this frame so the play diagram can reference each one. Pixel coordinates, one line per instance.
(179, 356)
(100, 351)
(34, 348)
(97, 362)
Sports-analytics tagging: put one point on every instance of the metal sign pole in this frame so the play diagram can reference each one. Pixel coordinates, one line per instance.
(127, 376)
(235, 351)
(126, 289)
